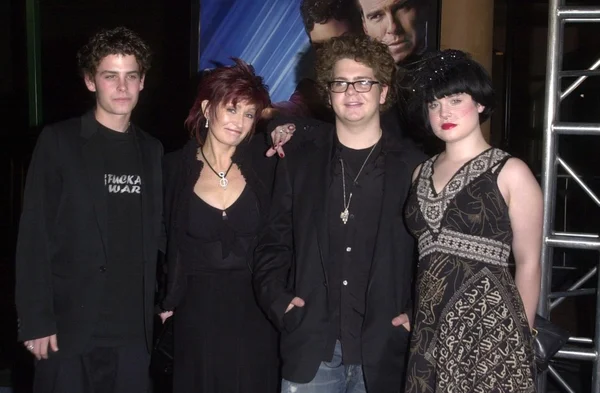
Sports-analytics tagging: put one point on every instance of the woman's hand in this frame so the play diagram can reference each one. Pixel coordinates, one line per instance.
(165, 315)
(402, 320)
(280, 136)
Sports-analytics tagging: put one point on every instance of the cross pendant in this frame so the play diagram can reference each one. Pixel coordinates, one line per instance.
(344, 216)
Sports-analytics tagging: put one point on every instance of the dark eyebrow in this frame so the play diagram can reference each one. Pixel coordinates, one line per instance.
(116, 72)
(374, 13)
(250, 107)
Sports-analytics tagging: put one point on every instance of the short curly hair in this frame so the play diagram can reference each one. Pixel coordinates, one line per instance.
(362, 49)
(117, 41)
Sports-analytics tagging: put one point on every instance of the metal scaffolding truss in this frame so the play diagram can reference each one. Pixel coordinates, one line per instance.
(578, 348)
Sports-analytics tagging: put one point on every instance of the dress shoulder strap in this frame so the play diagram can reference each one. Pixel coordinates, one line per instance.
(500, 158)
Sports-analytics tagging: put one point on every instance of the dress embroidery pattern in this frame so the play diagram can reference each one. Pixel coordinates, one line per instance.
(470, 332)
(466, 246)
(434, 205)
(497, 335)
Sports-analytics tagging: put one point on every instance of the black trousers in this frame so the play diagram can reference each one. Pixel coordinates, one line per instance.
(121, 369)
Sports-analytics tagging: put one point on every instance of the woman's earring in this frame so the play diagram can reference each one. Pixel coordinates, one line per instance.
(206, 125)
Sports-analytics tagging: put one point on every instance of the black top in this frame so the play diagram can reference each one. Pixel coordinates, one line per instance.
(214, 234)
(182, 169)
(223, 341)
(351, 245)
(121, 316)
(63, 233)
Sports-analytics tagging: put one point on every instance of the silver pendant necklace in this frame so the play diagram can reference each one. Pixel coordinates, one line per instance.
(345, 214)
(223, 182)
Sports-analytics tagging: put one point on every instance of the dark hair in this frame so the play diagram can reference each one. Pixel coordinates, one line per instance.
(117, 41)
(321, 11)
(224, 85)
(406, 3)
(449, 72)
(362, 49)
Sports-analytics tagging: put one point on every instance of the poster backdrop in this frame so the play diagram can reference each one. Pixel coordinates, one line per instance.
(270, 34)
(267, 34)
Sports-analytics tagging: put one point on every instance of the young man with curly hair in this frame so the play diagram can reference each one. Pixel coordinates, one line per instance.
(90, 232)
(333, 266)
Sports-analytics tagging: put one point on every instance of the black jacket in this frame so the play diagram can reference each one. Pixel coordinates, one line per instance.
(61, 254)
(291, 260)
(181, 172)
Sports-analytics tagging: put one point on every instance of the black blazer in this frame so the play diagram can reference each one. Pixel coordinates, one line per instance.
(181, 172)
(291, 260)
(61, 255)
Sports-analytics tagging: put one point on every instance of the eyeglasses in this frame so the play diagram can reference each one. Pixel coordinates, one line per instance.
(363, 86)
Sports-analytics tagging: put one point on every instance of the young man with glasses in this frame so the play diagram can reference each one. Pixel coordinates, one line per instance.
(333, 267)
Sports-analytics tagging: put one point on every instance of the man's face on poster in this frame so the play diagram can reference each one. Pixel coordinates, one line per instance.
(392, 22)
(323, 32)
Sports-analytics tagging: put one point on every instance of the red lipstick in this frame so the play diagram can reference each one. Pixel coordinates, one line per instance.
(448, 126)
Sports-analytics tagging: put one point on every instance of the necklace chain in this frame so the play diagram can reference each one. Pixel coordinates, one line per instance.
(345, 214)
(223, 182)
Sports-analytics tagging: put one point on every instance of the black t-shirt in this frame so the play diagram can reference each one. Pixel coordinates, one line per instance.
(351, 245)
(122, 312)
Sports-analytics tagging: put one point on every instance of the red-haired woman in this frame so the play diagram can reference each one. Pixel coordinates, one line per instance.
(216, 193)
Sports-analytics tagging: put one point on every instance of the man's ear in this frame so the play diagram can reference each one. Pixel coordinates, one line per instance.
(383, 94)
(90, 83)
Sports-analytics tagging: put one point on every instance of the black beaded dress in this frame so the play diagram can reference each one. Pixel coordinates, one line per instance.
(470, 331)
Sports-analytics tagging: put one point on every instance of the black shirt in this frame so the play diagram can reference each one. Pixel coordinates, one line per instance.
(122, 312)
(351, 245)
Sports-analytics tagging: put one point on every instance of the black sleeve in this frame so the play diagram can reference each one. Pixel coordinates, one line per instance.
(175, 280)
(301, 123)
(33, 288)
(162, 236)
(415, 158)
(176, 284)
(274, 253)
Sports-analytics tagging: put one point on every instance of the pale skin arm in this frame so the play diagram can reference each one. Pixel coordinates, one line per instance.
(525, 207)
(41, 345)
